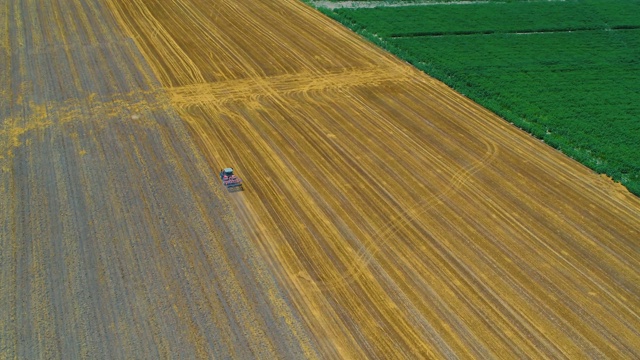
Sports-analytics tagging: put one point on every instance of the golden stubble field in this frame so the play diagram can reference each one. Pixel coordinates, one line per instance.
(399, 219)
(403, 220)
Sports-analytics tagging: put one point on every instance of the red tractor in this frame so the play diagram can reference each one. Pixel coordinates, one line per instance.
(229, 180)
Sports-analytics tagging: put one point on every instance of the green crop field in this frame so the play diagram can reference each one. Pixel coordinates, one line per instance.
(495, 17)
(568, 72)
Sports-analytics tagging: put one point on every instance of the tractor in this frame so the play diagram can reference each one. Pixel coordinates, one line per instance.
(229, 180)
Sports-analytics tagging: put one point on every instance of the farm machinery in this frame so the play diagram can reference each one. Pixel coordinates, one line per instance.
(229, 180)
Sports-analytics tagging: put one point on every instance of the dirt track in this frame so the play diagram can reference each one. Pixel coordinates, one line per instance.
(400, 219)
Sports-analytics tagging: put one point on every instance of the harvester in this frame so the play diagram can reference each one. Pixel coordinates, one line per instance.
(229, 180)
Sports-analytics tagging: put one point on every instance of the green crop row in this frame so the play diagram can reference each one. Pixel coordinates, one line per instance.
(495, 17)
(579, 91)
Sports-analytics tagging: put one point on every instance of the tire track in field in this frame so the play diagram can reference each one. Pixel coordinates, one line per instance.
(219, 93)
(366, 253)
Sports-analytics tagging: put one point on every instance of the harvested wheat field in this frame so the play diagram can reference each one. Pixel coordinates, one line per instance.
(116, 239)
(384, 215)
